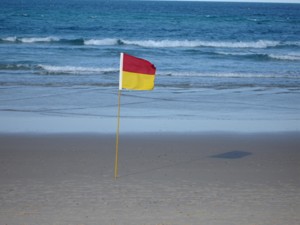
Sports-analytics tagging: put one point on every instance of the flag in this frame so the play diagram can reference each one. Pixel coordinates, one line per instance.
(136, 73)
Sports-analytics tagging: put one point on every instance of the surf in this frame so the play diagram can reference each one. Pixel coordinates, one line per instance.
(165, 43)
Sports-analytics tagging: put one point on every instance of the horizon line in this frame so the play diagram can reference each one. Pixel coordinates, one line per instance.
(236, 1)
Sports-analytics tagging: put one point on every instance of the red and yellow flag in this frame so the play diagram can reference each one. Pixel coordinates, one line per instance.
(136, 73)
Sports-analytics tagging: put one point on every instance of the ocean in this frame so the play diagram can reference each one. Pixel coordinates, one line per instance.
(220, 66)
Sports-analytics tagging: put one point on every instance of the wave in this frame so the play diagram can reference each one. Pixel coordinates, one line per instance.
(184, 43)
(37, 40)
(55, 70)
(192, 44)
(260, 56)
(29, 39)
(212, 44)
(226, 75)
(104, 42)
(153, 43)
(9, 39)
(288, 57)
(77, 41)
(13, 67)
(78, 70)
(48, 69)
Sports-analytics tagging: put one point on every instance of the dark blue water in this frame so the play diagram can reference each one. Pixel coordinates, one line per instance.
(214, 60)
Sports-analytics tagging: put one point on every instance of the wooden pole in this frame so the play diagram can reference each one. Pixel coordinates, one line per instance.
(117, 136)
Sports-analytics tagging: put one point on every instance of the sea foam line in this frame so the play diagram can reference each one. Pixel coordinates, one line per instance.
(288, 57)
(38, 39)
(191, 44)
(153, 43)
(30, 39)
(104, 42)
(226, 74)
(183, 43)
(75, 69)
(51, 69)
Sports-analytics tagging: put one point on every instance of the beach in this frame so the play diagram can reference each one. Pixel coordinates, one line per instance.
(164, 178)
(217, 142)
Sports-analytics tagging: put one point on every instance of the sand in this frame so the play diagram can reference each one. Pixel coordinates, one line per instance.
(168, 178)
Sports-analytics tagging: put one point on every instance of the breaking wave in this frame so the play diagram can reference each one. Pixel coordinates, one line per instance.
(226, 75)
(261, 56)
(152, 43)
(55, 70)
(75, 70)
(288, 57)
(184, 43)
(212, 44)
(29, 39)
(104, 42)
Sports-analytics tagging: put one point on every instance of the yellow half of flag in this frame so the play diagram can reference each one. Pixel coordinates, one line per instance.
(137, 81)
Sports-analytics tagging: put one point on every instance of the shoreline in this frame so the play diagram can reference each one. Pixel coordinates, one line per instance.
(24, 123)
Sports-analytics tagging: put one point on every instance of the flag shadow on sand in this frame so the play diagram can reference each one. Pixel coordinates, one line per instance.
(232, 155)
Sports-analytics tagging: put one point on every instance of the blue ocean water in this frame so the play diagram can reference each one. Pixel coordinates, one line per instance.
(215, 61)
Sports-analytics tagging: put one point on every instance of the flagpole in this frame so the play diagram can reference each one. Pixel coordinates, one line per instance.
(117, 136)
(118, 118)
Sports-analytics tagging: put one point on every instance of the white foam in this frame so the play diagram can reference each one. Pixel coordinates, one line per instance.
(183, 43)
(75, 69)
(162, 43)
(38, 39)
(10, 39)
(214, 44)
(285, 57)
(225, 75)
(234, 53)
(106, 41)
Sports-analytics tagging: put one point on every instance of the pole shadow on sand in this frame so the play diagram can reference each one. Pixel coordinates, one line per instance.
(226, 155)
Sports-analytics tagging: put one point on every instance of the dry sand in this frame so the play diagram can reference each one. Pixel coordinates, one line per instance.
(178, 179)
